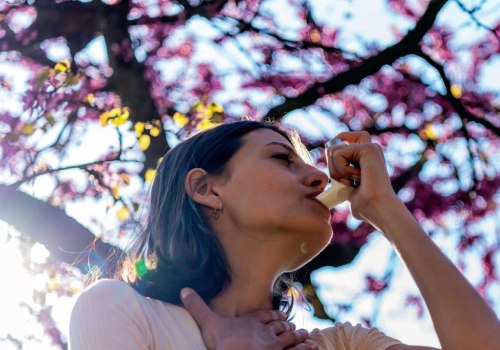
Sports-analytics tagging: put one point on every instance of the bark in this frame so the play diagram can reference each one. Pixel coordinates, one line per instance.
(128, 78)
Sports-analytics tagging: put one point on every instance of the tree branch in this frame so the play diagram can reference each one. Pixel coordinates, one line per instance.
(464, 114)
(16, 184)
(366, 68)
(62, 235)
(475, 20)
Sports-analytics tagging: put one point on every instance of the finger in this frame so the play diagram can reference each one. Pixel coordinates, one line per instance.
(341, 164)
(354, 137)
(312, 345)
(281, 326)
(330, 161)
(200, 311)
(293, 338)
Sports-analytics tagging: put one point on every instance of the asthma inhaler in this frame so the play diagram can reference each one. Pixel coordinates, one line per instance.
(337, 192)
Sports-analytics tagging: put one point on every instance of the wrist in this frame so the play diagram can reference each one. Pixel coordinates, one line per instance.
(384, 211)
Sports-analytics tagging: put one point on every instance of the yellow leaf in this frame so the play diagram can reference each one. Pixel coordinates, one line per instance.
(104, 117)
(315, 35)
(117, 116)
(205, 124)
(62, 66)
(50, 119)
(139, 128)
(207, 113)
(180, 119)
(154, 131)
(144, 142)
(123, 214)
(121, 116)
(41, 165)
(216, 108)
(114, 192)
(456, 91)
(430, 132)
(149, 175)
(125, 178)
(28, 129)
(198, 107)
(216, 118)
(89, 98)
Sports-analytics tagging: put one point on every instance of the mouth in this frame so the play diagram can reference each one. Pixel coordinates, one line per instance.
(313, 195)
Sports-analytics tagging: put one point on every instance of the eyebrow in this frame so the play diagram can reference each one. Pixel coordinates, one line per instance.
(289, 148)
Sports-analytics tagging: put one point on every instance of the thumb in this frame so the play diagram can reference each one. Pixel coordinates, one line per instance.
(200, 311)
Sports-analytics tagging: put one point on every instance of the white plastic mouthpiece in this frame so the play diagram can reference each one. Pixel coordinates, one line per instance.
(335, 194)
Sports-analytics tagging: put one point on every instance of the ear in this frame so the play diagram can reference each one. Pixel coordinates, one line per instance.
(199, 187)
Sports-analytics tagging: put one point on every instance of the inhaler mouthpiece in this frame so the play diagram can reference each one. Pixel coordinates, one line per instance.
(337, 193)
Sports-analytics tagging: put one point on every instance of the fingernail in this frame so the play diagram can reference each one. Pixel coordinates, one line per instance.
(185, 292)
(303, 332)
(333, 142)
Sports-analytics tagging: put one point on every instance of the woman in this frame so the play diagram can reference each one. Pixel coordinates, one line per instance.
(232, 209)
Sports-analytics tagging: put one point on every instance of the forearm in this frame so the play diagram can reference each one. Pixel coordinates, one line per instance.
(461, 317)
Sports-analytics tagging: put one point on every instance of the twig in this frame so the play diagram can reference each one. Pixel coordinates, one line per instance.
(459, 108)
(475, 20)
(78, 166)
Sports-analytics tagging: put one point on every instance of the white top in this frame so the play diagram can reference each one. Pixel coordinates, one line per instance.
(112, 315)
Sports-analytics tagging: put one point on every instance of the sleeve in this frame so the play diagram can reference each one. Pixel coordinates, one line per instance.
(108, 316)
(362, 338)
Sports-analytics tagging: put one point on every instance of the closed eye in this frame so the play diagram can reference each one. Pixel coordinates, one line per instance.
(287, 157)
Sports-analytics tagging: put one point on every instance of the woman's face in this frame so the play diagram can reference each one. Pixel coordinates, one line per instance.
(269, 193)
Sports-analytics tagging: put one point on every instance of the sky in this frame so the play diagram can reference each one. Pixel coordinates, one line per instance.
(336, 283)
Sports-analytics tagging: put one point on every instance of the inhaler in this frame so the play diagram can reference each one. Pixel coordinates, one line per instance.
(336, 192)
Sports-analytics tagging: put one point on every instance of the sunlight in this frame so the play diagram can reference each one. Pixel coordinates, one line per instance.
(21, 319)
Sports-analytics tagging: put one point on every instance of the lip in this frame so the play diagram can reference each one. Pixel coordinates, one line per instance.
(313, 195)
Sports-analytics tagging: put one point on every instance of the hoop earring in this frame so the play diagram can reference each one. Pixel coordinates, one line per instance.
(216, 212)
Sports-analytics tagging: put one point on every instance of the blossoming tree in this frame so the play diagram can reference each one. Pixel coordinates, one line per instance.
(135, 77)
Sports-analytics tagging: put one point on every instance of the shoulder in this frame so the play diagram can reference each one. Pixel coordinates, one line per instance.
(347, 336)
(109, 290)
(109, 312)
(108, 298)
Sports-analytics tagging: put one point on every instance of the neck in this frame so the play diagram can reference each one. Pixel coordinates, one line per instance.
(254, 269)
(241, 298)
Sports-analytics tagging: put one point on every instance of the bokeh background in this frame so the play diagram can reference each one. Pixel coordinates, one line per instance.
(92, 94)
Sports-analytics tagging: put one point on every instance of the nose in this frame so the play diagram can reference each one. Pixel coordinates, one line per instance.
(316, 178)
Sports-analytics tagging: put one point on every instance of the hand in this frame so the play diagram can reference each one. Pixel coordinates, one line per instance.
(259, 330)
(369, 171)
